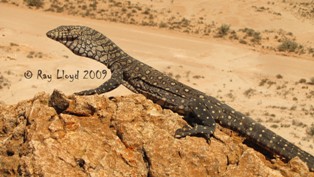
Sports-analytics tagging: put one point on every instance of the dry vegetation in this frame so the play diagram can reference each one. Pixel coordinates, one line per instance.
(14, 49)
(304, 9)
(4, 82)
(284, 89)
(188, 75)
(138, 13)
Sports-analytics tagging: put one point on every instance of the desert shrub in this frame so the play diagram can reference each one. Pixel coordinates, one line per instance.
(279, 76)
(250, 92)
(256, 36)
(248, 31)
(311, 81)
(34, 3)
(163, 25)
(310, 130)
(223, 30)
(288, 45)
(242, 41)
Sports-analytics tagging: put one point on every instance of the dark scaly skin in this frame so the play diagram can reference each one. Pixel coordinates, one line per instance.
(202, 111)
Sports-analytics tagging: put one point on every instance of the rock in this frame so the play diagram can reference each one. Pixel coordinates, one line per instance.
(123, 136)
(58, 101)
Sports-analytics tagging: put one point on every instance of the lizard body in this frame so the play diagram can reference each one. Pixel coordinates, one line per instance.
(201, 111)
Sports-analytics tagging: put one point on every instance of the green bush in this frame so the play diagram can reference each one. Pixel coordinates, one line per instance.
(288, 45)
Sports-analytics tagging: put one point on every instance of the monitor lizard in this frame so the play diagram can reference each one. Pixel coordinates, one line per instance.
(200, 110)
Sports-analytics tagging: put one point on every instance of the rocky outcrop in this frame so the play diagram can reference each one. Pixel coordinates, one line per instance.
(122, 136)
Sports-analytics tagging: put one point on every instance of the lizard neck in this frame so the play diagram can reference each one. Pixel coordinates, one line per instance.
(110, 54)
(98, 47)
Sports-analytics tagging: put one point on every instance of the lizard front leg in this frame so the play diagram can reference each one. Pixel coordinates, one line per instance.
(115, 80)
(202, 121)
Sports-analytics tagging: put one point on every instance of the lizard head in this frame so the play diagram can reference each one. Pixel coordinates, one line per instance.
(65, 34)
(87, 42)
(79, 39)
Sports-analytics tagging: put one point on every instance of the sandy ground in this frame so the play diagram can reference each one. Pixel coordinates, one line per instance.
(249, 81)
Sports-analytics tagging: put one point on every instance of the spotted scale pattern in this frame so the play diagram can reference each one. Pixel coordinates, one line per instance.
(201, 111)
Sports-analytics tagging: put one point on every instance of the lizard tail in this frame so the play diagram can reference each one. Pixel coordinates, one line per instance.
(268, 140)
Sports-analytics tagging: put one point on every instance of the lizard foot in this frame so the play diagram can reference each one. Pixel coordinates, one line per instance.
(201, 130)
